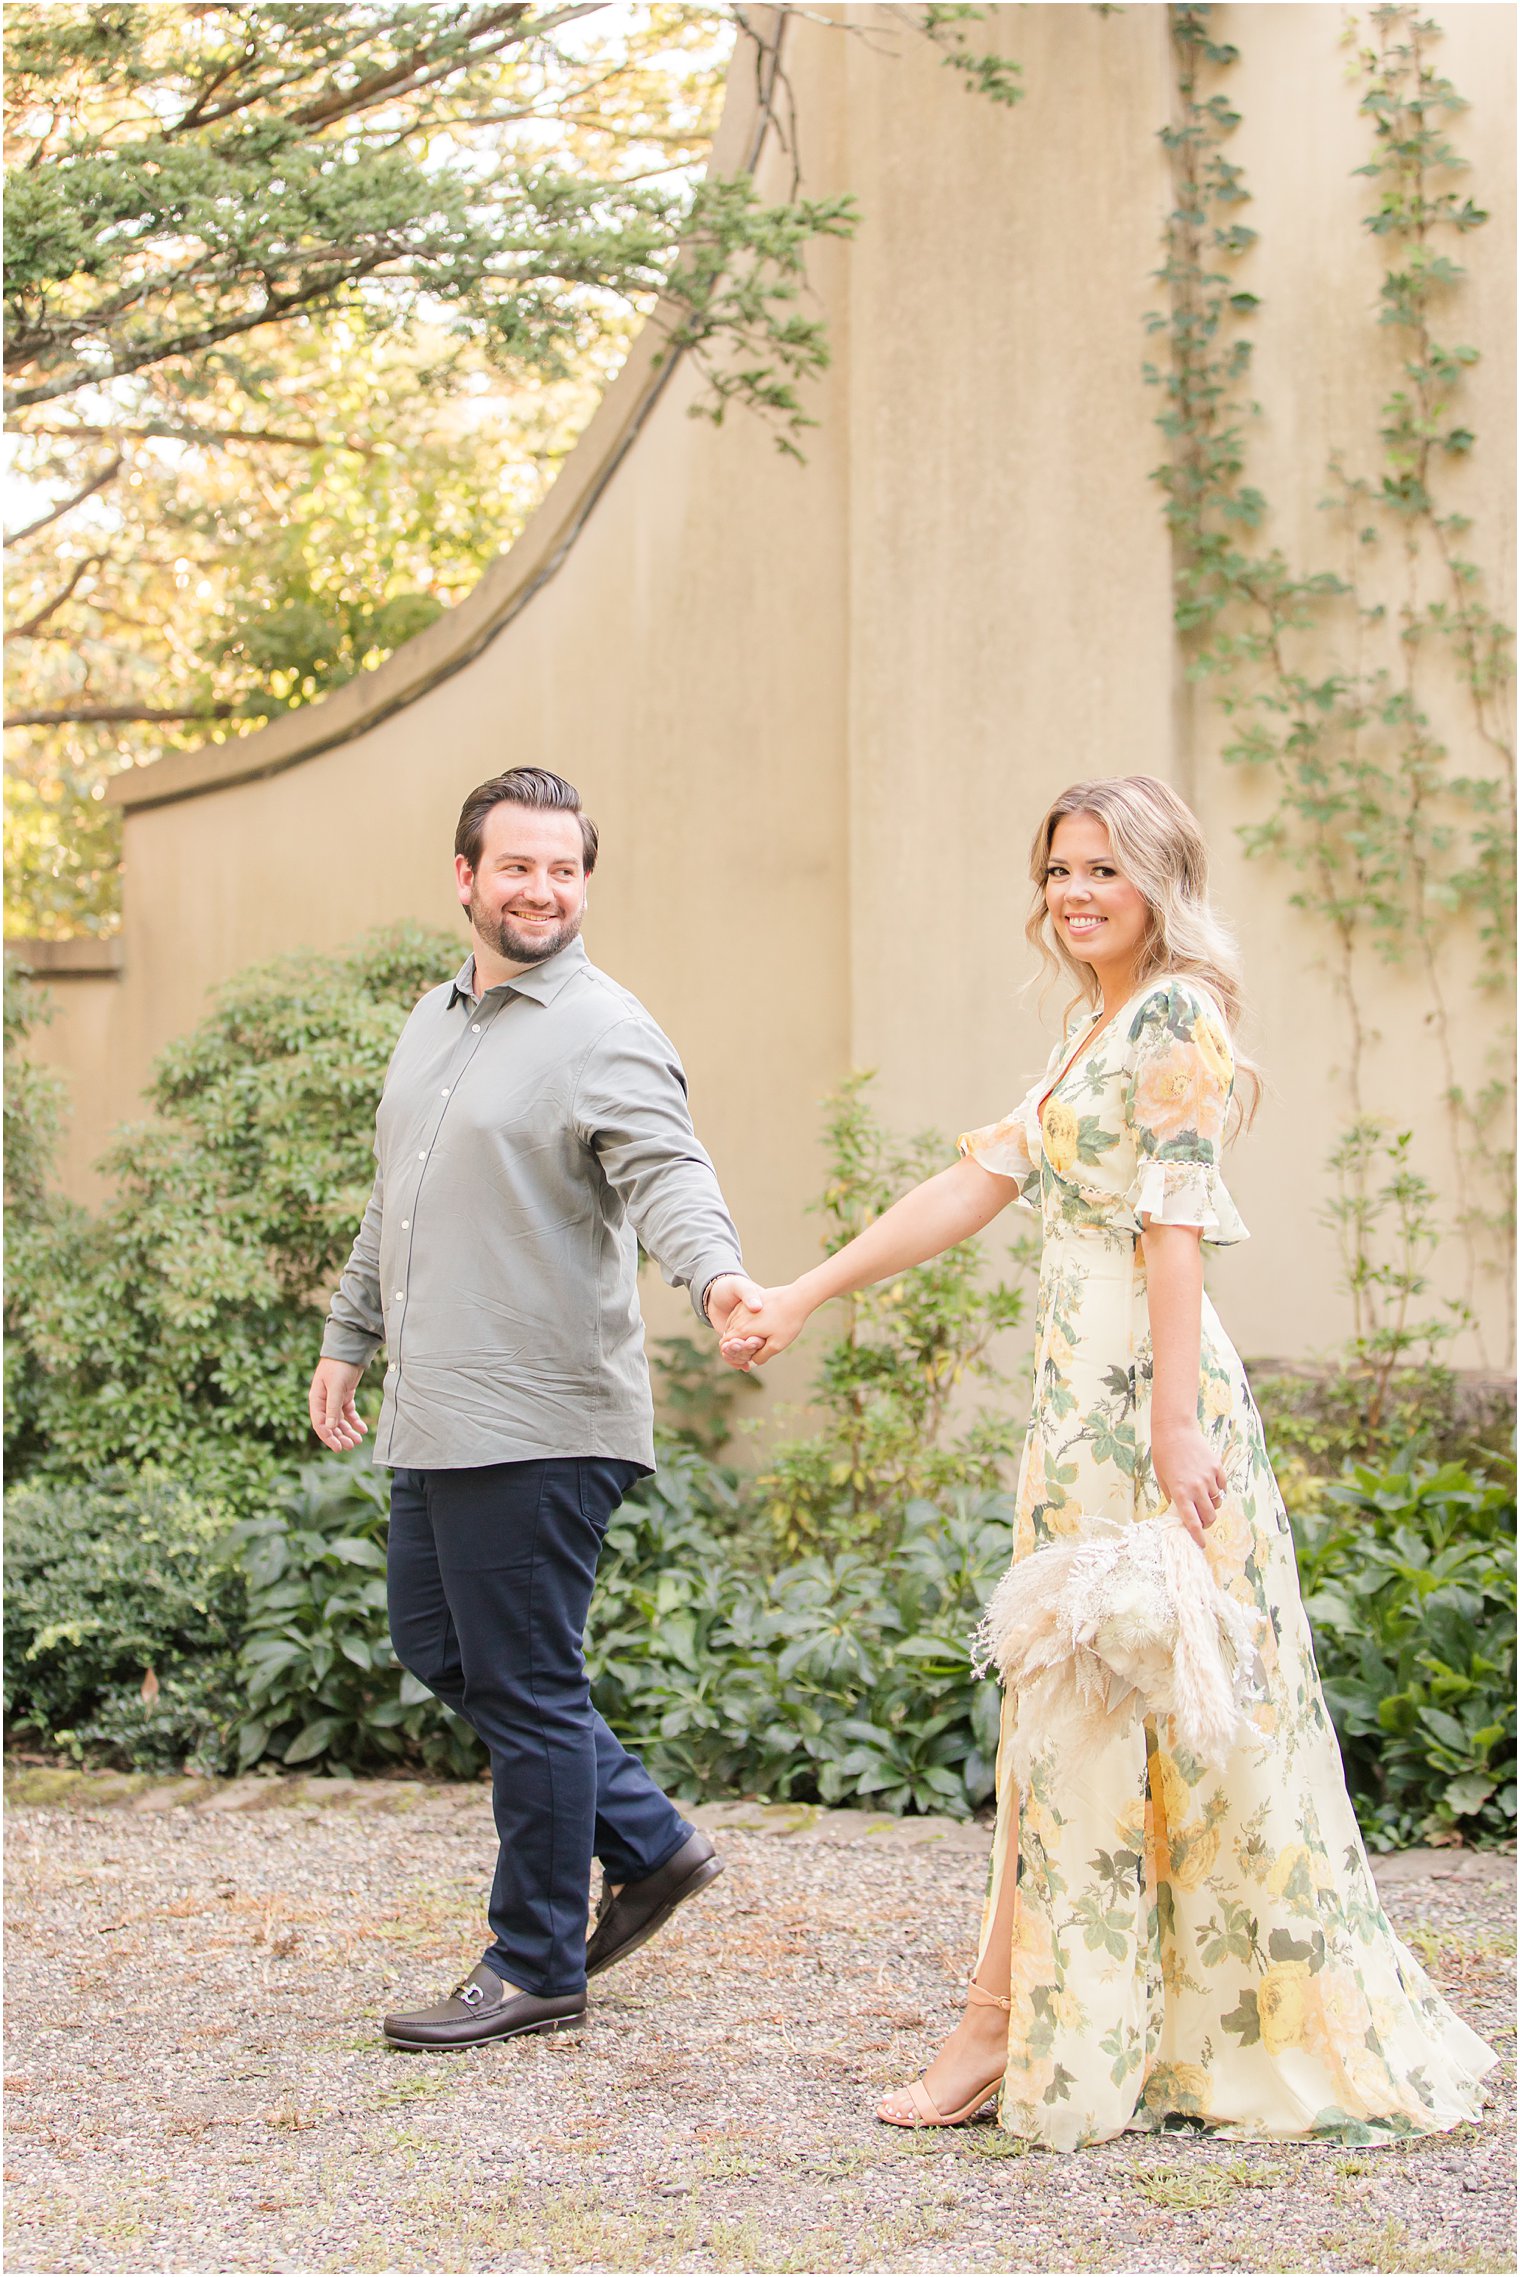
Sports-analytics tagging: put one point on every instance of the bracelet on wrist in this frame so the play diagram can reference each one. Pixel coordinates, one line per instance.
(733, 1273)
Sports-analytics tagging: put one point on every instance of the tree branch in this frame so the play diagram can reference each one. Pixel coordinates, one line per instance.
(107, 714)
(26, 631)
(314, 295)
(197, 115)
(56, 513)
(263, 92)
(154, 430)
(417, 69)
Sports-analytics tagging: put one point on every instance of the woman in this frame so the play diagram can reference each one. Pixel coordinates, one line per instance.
(1161, 1942)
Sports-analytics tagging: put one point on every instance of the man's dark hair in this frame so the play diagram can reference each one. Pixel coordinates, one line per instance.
(521, 786)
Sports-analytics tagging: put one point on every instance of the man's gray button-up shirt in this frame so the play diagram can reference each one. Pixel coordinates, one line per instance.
(524, 1139)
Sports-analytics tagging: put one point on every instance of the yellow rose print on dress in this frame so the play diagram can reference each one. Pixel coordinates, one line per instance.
(1062, 1135)
(1065, 2009)
(1129, 1823)
(1215, 1949)
(1176, 1794)
(1214, 1049)
(1229, 1550)
(1292, 1876)
(1342, 2019)
(1178, 2087)
(1218, 1398)
(1282, 2006)
(1040, 1828)
(1194, 1854)
(1033, 1961)
(1172, 1094)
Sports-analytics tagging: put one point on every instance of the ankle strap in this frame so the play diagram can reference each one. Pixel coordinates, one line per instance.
(980, 1997)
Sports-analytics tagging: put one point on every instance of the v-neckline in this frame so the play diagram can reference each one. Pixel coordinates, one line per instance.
(1082, 1043)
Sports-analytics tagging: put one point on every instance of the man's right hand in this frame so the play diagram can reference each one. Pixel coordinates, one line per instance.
(330, 1403)
(757, 1332)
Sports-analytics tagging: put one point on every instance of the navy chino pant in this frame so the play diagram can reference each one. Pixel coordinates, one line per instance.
(489, 1576)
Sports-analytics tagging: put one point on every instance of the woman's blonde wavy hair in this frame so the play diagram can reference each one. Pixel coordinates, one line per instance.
(1158, 845)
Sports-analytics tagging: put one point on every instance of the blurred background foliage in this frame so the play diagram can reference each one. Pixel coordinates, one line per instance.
(186, 1584)
(304, 307)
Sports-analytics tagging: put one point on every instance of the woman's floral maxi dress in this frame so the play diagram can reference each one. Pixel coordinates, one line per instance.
(1187, 1945)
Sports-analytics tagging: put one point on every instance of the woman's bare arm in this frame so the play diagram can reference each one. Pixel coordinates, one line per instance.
(945, 1210)
(1186, 1469)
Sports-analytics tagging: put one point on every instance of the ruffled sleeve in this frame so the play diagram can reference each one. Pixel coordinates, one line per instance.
(1183, 1072)
(1011, 1147)
(1007, 1147)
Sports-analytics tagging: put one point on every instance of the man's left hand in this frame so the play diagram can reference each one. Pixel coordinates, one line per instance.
(730, 1296)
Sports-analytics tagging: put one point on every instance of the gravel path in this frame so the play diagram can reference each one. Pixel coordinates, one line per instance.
(195, 2081)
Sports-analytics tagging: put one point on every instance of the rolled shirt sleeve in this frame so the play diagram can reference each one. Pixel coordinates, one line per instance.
(632, 1112)
(355, 1321)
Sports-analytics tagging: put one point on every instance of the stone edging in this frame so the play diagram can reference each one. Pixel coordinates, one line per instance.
(28, 1786)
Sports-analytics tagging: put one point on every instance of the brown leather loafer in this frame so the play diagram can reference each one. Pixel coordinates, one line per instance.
(626, 1921)
(484, 2007)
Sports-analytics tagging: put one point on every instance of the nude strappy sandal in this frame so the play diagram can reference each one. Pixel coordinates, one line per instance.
(926, 2112)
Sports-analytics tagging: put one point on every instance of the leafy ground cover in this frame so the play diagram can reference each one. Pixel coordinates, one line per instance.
(143, 1630)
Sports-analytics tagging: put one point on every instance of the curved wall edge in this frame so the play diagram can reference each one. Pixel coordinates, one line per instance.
(519, 575)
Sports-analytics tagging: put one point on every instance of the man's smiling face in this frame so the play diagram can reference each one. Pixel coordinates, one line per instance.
(526, 895)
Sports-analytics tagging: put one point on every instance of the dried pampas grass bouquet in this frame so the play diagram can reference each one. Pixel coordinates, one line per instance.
(1118, 1622)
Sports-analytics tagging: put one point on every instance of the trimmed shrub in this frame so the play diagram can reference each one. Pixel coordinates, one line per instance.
(180, 1325)
(179, 1328)
(321, 1681)
(835, 1680)
(843, 1679)
(1318, 1422)
(38, 1222)
(124, 1604)
(1409, 1583)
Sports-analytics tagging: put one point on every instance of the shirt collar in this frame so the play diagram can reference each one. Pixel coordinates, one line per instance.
(542, 982)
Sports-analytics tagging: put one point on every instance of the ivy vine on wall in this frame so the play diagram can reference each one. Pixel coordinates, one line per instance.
(1371, 694)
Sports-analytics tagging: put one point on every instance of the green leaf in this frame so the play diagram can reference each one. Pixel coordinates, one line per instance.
(353, 1551)
(253, 1738)
(311, 1740)
(1465, 1796)
(1445, 1728)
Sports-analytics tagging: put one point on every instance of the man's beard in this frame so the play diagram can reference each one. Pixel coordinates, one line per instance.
(498, 932)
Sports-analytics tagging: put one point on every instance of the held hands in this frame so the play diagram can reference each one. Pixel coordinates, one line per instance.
(729, 1303)
(330, 1404)
(1188, 1473)
(762, 1325)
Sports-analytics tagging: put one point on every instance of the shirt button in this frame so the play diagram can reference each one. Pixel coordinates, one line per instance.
(422, 1154)
(405, 1223)
(474, 1027)
(400, 1296)
(445, 1091)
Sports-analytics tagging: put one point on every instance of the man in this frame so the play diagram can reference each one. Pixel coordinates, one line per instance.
(533, 1122)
